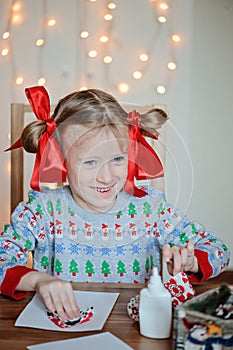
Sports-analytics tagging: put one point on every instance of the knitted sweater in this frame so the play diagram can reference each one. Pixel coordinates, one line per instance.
(121, 245)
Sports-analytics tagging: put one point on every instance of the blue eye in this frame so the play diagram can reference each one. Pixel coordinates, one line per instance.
(90, 162)
(118, 159)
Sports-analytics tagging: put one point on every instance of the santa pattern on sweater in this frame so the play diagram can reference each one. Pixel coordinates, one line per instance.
(121, 245)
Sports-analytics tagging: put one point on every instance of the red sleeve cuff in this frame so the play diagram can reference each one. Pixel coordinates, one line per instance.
(12, 279)
(206, 270)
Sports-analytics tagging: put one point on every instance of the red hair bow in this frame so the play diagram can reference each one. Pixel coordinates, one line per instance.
(143, 162)
(49, 164)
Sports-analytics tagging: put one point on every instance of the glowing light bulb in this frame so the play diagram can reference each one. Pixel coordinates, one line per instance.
(171, 65)
(107, 59)
(84, 34)
(104, 39)
(137, 74)
(39, 42)
(16, 6)
(162, 19)
(161, 89)
(144, 57)
(41, 81)
(92, 53)
(92, 0)
(83, 88)
(108, 17)
(51, 22)
(16, 19)
(176, 38)
(112, 5)
(5, 52)
(163, 6)
(123, 87)
(5, 35)
(19, 80)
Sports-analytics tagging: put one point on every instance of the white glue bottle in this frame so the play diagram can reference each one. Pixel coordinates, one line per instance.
(155, 309)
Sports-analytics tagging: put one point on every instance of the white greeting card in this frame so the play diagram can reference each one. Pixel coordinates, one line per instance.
(98, 342)
(92, 342)
(35, 314)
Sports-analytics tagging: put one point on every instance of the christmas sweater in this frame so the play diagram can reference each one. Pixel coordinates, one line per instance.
(121, 245)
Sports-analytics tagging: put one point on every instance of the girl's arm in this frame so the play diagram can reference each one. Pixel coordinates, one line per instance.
(12, 278)
(17, 240)
(57, 294)
(205, 257)
(16, 278)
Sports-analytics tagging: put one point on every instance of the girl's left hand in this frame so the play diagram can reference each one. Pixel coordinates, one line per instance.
(180, 259)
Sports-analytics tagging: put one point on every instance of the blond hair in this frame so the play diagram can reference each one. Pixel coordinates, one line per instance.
(92, 108)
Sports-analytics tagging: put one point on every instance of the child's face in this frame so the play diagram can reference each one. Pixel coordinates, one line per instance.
(97, 167)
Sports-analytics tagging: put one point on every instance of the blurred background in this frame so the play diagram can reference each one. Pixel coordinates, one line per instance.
(175, 53)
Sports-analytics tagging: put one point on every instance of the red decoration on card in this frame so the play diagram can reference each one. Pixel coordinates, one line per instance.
(85, 316)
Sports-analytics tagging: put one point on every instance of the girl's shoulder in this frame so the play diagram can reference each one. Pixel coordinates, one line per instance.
(42, 199)
(48, 193)
(43, 202)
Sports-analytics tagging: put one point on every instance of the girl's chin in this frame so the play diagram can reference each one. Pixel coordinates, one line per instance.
(99, 204)
(97, 201)
(103, 203)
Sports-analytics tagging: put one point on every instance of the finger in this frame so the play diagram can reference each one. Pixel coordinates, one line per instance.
(48, 302)
(184, 257)
(192, 262)
(166, 253)
(190, 248)
(190, 255)
(58, 303)
(176, 256)
(65, 304)
(70, 306)
(51, 295)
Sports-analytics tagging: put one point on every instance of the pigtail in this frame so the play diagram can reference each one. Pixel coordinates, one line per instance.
(31, 135)
(152, 121)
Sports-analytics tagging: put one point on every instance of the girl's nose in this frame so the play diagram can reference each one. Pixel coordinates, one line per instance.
(105, 174)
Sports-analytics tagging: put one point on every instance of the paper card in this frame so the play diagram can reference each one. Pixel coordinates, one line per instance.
(35, 314)
(98, 342)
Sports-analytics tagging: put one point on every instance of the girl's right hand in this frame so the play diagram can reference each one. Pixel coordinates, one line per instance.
(58, 295)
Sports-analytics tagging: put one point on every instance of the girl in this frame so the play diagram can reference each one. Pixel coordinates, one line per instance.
(100, 226)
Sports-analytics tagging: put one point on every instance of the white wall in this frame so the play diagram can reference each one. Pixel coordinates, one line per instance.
(199, 166)
(211, 119)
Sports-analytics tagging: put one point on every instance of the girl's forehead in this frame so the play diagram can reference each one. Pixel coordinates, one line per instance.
(81, 136)
(73, 133)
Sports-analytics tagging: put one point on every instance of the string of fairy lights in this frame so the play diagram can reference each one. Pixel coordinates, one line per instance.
(162, 9)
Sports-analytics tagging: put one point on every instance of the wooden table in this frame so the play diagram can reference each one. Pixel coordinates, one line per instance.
(118, 323)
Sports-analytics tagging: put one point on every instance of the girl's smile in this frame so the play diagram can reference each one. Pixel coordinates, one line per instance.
(103, 190)
(97, 167)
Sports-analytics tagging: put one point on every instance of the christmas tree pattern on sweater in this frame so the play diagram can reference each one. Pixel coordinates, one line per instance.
(122, 249)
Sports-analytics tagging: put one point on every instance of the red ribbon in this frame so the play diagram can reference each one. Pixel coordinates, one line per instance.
(49, 164)
(143, 162)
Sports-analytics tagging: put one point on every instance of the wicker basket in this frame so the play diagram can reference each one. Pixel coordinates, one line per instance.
(194, 330)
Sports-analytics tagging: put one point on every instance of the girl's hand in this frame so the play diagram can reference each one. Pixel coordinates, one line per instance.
(180, 259)
(57, 294)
